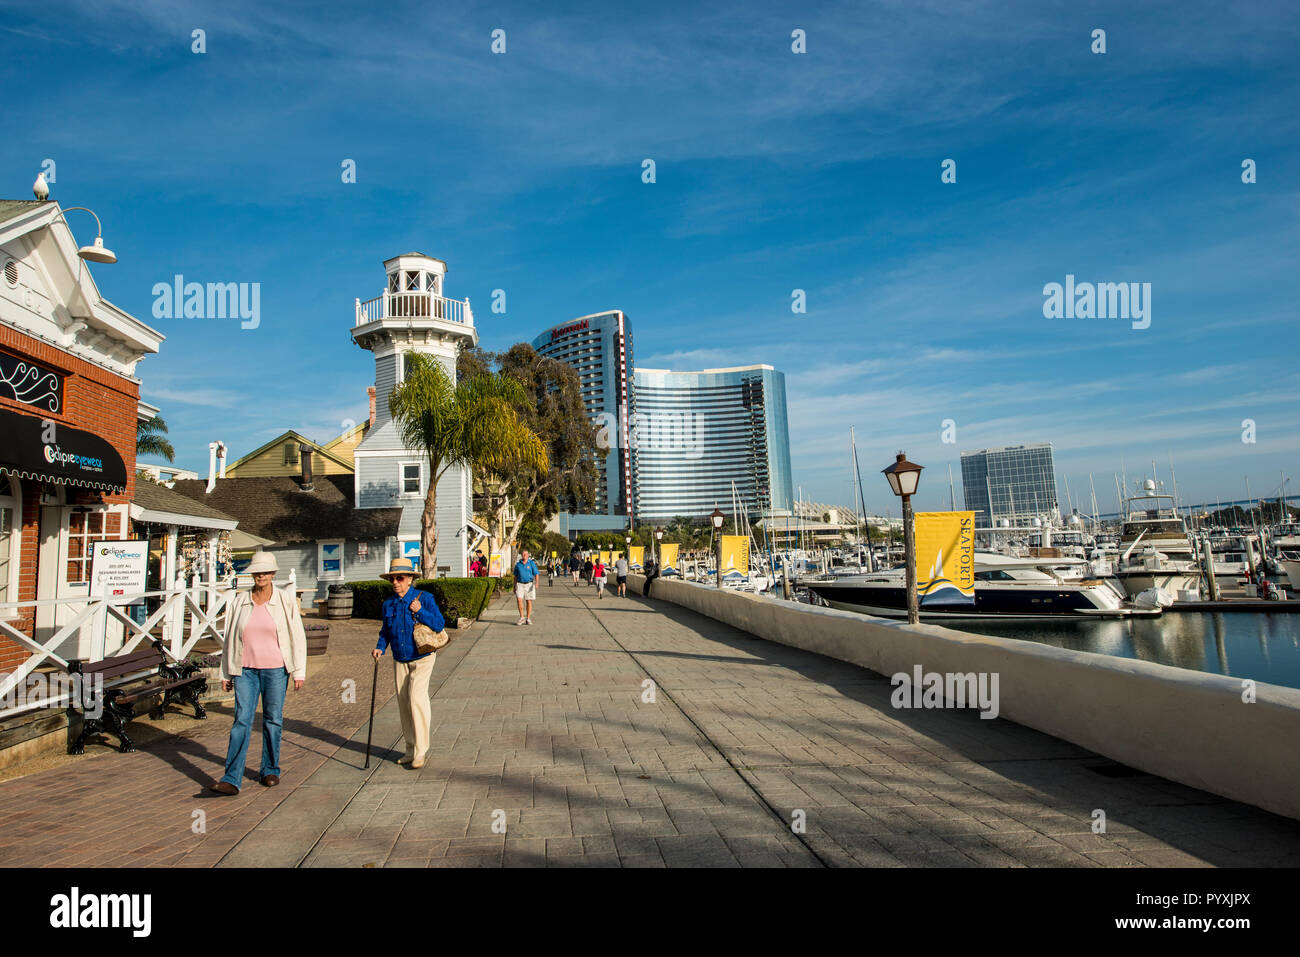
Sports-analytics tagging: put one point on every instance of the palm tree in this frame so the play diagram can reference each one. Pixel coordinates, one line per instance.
(149, 439)
(474, 423)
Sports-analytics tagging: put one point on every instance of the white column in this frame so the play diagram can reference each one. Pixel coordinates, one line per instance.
(169, 569)
(212, 571)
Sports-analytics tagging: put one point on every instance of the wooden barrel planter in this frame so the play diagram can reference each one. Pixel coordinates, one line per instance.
(340, 602)
(318, 637)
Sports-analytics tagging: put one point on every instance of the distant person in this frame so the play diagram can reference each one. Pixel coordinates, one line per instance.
(599, 573)
(473, 566)
(651, 573)
(482, 565)
(620, 570)
(525, 587)
(575, 566)
(586, 571)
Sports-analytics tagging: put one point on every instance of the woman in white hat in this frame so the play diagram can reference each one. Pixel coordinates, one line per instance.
(265, 645)
(408, 607)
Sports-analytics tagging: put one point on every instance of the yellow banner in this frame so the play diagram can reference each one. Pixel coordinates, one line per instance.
(735, 554)
(637, 555)
(604, 557)
(945, 558)
(667, 556)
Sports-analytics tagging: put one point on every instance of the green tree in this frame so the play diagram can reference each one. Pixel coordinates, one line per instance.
(149, 439)
(555, 410)
(474, 423)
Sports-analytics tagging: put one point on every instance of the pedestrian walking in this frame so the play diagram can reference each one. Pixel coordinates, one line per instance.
(412, 668)
(482, 565)
(620, 571)
(575, 567)
(598, 574)
(586, 571)
(525, 587)
(265, 645)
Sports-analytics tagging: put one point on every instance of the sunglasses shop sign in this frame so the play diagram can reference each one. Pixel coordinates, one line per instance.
(118, 569)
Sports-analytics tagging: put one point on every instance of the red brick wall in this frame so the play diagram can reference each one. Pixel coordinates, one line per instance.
(94, 400)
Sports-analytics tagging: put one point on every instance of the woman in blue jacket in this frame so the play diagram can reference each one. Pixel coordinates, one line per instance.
(401, 613)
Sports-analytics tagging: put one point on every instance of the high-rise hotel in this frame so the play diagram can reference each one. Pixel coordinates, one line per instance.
(699, 435)
(599, 348)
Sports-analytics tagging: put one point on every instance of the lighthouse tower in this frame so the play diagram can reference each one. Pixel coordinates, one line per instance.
(413, 315)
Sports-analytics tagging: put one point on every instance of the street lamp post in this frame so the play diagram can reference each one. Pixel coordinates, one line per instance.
(904, 476)
(717, 518)
(659, 537)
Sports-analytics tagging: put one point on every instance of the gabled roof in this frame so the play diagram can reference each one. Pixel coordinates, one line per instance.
(11, 208)
(158, 503)
(277, 508)
(301, 440)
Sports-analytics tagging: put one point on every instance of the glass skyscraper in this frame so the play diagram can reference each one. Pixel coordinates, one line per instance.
(1017, 483)
(599, 348)
(696, 433)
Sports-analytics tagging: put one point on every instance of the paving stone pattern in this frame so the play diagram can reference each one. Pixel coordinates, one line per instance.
(625, 732)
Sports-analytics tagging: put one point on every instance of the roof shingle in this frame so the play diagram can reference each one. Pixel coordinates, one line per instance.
(276, 507)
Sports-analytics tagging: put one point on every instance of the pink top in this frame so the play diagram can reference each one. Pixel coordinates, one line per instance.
(261, 643)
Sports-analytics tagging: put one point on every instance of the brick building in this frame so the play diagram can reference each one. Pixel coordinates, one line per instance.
(69, 407)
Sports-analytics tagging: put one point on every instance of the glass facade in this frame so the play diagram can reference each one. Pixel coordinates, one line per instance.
(1017, 483)
(599, 348)
(695, 433)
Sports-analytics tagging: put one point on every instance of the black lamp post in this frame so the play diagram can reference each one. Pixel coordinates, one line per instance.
(659, 537)
(904, 476)
(717, 518)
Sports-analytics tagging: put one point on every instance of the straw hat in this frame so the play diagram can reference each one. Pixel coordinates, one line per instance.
(262, 562)
(399, 566)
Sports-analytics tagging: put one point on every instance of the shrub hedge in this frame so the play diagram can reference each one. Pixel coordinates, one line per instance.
(456, 597)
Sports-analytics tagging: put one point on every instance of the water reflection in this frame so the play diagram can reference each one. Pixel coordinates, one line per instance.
(1265, 647)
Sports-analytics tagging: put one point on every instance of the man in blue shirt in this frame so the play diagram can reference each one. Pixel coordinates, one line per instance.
(409, 606)
(525, 587)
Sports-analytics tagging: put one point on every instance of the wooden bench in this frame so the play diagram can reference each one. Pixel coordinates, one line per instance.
(175, 681)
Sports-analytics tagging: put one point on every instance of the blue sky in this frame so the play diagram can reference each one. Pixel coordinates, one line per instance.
(775, 171)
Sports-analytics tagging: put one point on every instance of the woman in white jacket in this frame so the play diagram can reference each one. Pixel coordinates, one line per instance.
(265, 645)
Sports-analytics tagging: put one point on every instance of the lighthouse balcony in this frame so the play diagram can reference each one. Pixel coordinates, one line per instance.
(419, 304)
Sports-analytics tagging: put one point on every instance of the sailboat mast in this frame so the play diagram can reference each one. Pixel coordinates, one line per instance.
(857, 472)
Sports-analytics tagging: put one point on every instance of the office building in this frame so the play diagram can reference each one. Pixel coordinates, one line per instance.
(1016, 483)
(696, 434)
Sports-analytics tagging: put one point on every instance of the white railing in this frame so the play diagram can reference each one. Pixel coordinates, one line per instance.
(185, 614)
(414, 305)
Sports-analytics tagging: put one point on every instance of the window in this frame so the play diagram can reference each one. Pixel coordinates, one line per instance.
(85, 527)
(10, 540)
(291, 453)
(410, 478)
(329, 559)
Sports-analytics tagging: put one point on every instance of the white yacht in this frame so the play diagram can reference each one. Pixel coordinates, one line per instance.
(1155, 551)
(1005, 587)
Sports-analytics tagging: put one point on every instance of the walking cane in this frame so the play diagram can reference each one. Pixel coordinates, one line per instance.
(370, 729)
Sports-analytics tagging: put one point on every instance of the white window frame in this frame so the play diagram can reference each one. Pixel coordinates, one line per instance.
(320, 560)
(15, 547)
(401, 480)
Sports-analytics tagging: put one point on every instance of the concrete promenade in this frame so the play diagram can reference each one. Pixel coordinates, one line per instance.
(551, 731)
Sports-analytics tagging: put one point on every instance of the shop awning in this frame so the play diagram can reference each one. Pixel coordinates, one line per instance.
(73, 457)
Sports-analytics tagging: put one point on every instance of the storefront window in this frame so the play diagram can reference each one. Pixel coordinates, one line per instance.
(8, 540)
(84, 529)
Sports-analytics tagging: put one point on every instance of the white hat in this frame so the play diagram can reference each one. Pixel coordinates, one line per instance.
(262, 562)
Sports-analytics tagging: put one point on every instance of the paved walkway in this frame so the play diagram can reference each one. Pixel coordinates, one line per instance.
(551, 732)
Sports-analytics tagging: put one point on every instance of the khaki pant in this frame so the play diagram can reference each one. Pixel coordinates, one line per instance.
(413, 703)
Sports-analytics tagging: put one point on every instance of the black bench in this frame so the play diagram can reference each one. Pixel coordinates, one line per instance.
(175, 681)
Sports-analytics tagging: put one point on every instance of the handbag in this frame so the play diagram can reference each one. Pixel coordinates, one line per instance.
(427, 640)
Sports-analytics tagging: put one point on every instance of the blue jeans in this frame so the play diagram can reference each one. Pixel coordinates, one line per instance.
(271, 684)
